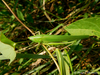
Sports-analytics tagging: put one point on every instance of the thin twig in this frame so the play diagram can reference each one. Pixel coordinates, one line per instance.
(17, 18)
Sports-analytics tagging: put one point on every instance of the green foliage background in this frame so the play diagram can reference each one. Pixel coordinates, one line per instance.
(60, 17)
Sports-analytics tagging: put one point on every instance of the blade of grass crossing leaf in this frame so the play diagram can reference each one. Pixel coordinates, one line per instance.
(61, 62)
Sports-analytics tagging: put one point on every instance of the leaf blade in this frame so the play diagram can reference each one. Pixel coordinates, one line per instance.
(87, 26)
(7, 51)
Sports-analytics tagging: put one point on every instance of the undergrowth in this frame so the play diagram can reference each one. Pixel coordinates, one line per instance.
(48, 17)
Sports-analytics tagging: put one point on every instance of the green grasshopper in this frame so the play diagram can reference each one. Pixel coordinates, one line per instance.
(56, 38)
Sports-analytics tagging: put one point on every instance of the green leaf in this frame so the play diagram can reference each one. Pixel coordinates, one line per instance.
(34, 56)
(7, 52)
(5, 40)
(7, 48)
(87, 26)
(67, 62)
(62, 63)
(20, 15)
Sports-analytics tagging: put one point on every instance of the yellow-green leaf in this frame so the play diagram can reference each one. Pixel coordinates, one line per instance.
(7, 51)
(20, 15)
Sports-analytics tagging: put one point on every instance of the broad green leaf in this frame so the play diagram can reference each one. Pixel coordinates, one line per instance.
(7, 52)
(20, 15)
(5, 40)
(7, 48)
(87, 26)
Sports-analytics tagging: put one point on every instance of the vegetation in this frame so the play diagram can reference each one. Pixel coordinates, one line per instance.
(49, 37)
